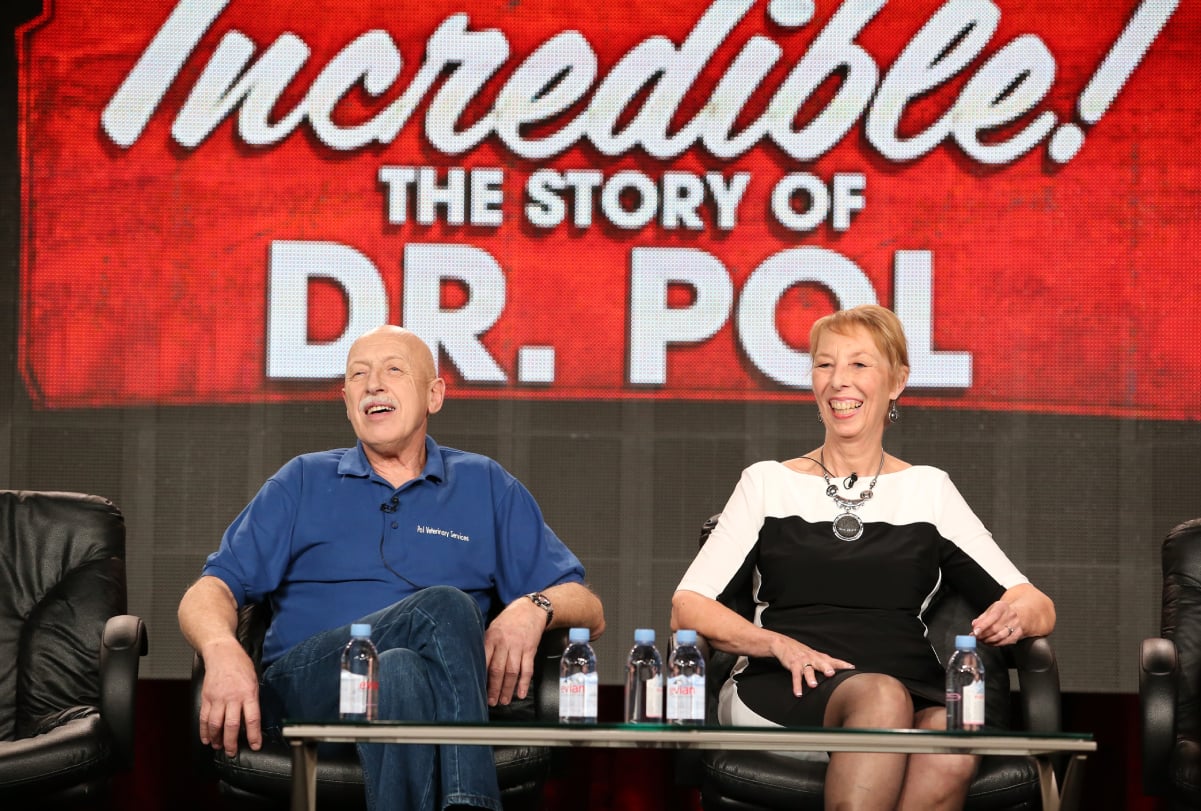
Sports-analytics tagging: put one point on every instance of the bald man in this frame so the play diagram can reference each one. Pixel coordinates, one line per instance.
(422, 542)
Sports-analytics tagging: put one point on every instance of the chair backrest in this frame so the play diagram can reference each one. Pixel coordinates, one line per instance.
(62, 575)
(948, 614)
(1180, 620)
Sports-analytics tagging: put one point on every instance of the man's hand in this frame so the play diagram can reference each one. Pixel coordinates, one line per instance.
(229, 695)
(509, 646)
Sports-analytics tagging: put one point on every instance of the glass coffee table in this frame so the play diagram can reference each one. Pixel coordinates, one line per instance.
(304, 738)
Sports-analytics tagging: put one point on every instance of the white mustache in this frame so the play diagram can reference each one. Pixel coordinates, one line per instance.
(374, 400)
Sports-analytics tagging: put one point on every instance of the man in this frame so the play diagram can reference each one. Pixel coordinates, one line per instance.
(414, 538)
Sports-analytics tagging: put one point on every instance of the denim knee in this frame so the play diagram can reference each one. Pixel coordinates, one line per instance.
(448, 605)
(405, 691)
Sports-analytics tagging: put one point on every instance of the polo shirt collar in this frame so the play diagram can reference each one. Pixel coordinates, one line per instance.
(355, 463)
(435, 467)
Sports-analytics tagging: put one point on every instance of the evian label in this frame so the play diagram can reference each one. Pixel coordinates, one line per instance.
(686, 698)
(973, 697)
(578, 694)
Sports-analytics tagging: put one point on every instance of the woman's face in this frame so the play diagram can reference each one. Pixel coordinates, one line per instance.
(853, 383)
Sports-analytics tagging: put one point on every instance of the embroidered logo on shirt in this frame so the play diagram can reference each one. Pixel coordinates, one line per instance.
(422, 529)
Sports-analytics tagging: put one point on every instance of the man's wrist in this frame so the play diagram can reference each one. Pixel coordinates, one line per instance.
(542, 601)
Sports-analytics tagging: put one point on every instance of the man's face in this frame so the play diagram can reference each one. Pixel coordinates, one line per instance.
(390, 390)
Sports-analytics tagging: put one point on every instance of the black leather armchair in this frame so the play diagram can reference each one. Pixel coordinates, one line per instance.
(1169, 682)
(263, 779)
(765, 781)
(67, 694)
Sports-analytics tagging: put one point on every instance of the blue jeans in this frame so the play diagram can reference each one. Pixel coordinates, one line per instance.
(431, 668)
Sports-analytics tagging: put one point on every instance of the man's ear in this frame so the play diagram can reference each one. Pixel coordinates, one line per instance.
(437, 395)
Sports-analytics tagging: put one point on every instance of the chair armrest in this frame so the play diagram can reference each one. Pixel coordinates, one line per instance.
(121, 647)
(545, 686)
(1158, 682)
(1038, 683)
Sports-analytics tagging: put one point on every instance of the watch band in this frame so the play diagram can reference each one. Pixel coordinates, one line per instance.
(542, 601)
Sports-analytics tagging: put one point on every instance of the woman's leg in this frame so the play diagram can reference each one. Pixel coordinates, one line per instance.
(936, 782)
(866, 781)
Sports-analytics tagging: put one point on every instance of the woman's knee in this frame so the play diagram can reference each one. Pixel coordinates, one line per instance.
(954, 771)
(870, 699)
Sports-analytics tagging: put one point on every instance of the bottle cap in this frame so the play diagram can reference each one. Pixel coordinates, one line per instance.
(685, 637)
(644, 636)
(579, 635)
(965, 641)
(361, 630)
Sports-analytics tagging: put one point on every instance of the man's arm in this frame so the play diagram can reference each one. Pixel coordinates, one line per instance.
(511, 639)
(208, 617)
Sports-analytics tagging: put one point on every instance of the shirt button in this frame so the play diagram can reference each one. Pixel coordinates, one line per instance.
(395, 525)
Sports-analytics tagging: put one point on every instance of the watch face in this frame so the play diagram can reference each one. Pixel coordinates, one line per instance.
(542, 602)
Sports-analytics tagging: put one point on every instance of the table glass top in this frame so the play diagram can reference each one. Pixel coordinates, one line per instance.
(677, 736)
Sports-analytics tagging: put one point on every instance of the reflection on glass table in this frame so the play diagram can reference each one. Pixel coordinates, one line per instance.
(305, 736)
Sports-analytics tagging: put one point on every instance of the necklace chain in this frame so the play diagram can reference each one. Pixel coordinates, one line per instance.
(832, 489)
(847, 525)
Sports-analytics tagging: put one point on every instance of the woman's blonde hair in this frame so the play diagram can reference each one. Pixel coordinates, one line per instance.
(880, 322)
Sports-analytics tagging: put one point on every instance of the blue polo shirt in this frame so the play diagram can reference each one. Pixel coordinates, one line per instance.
(326, 540)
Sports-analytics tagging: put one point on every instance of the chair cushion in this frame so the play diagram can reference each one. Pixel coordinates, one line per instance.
(74, 752)
(268, 772)
(763, 780)
(1185, 773)
(778, 781)
(1005, 784)
(265, 777)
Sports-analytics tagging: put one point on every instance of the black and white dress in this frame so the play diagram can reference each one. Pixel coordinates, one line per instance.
(861, 601)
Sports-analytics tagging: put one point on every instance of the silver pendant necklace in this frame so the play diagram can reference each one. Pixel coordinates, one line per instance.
(848, 526)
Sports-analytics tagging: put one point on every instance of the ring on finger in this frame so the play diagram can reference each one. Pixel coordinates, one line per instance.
(806, 665)
(1009, 629)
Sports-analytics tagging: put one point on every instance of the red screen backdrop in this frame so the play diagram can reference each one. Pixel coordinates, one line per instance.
(573, 200)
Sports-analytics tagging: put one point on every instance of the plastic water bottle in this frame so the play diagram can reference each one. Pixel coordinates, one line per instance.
(359, 696)
(686, 681)
(644, 680)
(965, 686)
(578, 681)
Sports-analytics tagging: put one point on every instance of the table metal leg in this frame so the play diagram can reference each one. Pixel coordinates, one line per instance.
(304, 776)
(1047, 783)
(1073, 781)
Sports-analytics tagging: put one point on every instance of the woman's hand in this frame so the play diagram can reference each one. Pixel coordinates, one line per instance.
(804, 662)
(998, 625)
(1022, 611)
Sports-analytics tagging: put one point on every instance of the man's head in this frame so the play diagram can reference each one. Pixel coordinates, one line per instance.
(390, 389)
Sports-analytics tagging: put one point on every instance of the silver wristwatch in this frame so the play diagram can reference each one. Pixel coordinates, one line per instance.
(542, 601)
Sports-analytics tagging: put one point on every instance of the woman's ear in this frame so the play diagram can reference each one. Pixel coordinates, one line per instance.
(902, 378)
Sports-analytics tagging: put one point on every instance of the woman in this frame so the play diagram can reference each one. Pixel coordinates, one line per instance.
(845, 546)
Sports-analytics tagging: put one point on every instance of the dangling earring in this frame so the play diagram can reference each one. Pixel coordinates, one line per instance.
(819, 417)
(893, 414)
